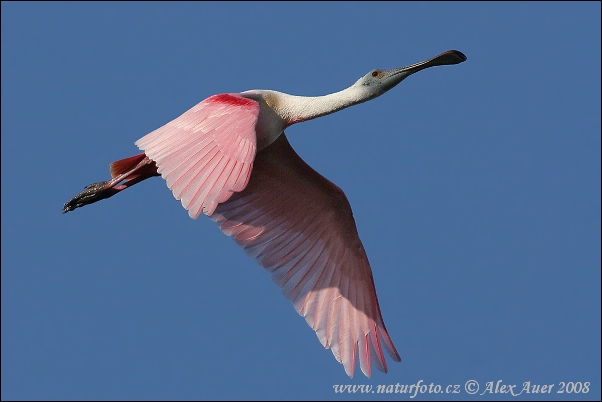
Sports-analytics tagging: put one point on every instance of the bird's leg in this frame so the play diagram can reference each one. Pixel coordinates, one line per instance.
(133, 170)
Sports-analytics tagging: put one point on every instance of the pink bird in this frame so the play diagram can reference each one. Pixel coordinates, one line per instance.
(228, 157)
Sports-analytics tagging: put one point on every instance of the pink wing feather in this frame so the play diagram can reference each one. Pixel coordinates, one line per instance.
(207, 153)
(300, 228)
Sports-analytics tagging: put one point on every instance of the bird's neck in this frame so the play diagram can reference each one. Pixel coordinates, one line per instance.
(295, 109)
(280, 110)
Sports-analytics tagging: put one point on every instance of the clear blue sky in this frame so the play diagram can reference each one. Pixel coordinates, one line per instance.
(476, 191)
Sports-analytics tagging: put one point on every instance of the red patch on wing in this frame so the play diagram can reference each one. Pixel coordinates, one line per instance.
(231, 100)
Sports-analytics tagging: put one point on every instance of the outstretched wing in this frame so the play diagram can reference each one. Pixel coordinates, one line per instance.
(207, 153)
(299, 227)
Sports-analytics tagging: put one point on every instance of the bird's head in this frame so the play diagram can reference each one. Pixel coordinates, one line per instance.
(377, 82)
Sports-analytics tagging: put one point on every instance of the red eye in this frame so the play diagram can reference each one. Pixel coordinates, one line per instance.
(374, 73)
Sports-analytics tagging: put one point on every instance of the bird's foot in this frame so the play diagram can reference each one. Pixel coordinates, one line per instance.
(92, 193)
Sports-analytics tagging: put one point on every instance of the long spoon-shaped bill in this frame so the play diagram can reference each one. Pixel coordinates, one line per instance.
(396, 75)
(445, 58)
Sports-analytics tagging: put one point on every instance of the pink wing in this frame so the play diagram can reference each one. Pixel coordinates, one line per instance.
(299, 227)
(207, 153)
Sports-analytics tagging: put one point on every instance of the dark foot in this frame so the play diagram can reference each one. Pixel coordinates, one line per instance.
(92, 193)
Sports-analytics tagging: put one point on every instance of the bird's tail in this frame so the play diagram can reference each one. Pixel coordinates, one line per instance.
(130, 171)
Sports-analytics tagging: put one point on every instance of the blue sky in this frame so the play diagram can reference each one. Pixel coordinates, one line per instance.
(475, 188)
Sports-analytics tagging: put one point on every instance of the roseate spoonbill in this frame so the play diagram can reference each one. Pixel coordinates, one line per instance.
(229, 158)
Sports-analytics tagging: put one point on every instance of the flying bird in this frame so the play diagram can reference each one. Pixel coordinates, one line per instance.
(228, 157)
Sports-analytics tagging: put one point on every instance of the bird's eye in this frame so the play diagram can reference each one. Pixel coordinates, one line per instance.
(374, 73)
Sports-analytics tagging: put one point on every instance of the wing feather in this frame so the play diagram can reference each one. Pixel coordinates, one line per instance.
(300, 228)
(207, 153)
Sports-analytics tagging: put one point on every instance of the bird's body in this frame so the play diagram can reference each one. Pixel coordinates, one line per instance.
(228, 157)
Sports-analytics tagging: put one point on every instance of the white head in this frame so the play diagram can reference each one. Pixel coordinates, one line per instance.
(377, 82)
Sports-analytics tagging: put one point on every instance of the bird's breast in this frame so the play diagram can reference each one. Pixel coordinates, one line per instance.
(268, 128)
(270, 124)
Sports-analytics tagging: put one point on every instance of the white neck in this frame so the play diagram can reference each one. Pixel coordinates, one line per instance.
(280, 110)
(294, 109)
